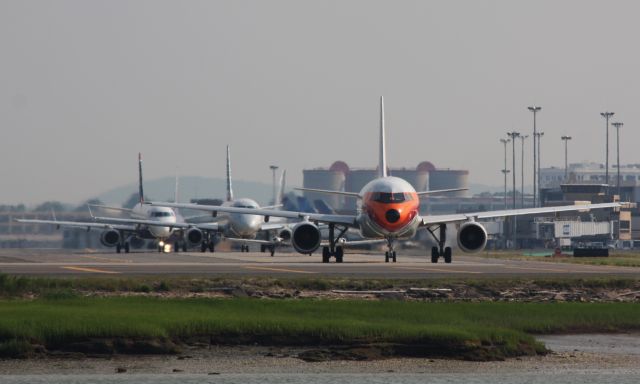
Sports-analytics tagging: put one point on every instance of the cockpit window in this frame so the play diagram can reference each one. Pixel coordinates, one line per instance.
(161, 214)
(388, 197)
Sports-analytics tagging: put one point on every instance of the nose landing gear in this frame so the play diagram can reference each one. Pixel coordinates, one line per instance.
(391, 253)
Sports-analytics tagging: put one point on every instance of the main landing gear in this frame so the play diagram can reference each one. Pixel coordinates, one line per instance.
(208, 243)
(244, 248)
(271, 248)
(332, 249)
(440, 250)
(122, 247)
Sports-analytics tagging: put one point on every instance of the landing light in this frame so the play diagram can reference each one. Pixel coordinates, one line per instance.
(167, 248)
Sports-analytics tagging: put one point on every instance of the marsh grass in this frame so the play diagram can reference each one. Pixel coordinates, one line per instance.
(505, 326)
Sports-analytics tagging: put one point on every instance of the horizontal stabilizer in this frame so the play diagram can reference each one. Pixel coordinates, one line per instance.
(351, 194)
(441, 191)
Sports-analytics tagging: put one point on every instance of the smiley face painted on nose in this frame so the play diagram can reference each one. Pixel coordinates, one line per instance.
(391, 211)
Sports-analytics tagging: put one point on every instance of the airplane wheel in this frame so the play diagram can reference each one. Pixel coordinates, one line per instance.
(184, 247)
(447, 255)
(212, 247)
(435, 255)
(394, 256)
(159, 249)
(203, 247)
(339, 254)
(386, 257)
(118, 248)
(126, 247)
(262, 248)
(272, 249)
(176, 247)
(325, 254)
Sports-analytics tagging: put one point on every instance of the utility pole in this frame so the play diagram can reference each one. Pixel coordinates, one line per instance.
(273, 169)
(566, 163)
(535, 110)
(522, 138)
(505, 170)
(606, 116)
(618, 125)
(538, 137)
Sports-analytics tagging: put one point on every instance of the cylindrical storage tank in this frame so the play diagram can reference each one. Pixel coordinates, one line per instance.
(417, 178)
(449, 179)
(356, 180)
(324, 179)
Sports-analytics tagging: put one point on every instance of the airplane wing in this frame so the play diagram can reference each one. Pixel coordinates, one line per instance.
(80, 224)
(143, 222)
(254, 241)
(214, 227)
(348, 220)
(440, 219)
(347, 243)
(272, 226)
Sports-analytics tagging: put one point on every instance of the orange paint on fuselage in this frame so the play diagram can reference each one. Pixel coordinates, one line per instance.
(378, 209)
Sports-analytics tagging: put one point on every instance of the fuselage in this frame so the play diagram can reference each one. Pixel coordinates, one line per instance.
(241, 225)
(389, 208)
(163, 215)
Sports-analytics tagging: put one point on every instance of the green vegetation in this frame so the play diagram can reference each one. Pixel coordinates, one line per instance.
(617, 259)
(44, 287)
(486, 330)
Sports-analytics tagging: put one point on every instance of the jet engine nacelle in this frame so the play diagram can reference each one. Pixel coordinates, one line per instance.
(305, 237)
(285, 234)
(110, 238)
(194, 236)
(472, 237)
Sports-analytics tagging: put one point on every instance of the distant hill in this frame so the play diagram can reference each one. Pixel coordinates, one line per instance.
(190, 187)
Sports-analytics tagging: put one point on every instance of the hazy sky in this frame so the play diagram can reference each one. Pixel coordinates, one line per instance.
(85, 85)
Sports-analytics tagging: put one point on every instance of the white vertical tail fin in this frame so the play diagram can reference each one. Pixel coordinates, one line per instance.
(382, 156)
(280, 194)
(229, 187)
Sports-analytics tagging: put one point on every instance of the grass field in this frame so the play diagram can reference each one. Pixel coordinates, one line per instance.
(462, 330)
(616, 258)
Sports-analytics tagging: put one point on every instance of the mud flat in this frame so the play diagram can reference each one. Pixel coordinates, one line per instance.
(571, 353)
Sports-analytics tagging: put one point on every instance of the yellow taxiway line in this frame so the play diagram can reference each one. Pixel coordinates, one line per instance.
(111, 260)
(279, 270)
(436, 270)
(538, 269)
(93, 270)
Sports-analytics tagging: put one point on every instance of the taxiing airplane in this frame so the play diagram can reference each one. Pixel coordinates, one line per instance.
(243, 228)
(145, 222)
(389, 210)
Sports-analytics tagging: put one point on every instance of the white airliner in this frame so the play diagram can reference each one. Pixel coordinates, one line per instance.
(389, 210)
(244, 228)
(145, 222)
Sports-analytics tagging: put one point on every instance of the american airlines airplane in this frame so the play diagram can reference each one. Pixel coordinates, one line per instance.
(145, 222)
(389, 210)
(244, 228)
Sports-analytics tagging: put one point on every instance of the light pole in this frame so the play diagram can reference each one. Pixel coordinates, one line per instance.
(538, 136)
(566, 163)
(618, 125)
(522, 138)
(513, 136)
(505, 170)
(606, 116)
(273, 169)
(535, 110)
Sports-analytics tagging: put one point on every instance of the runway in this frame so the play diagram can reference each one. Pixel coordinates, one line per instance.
(56, 262)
